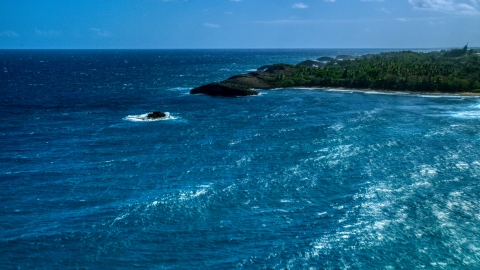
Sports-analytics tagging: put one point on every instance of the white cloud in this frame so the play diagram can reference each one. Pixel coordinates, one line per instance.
(431, 20)
(299, 5)
(330, 1)
(384, 10)
(293, 21)
(212, 25)
(469, 7)
(49, 33)
(10, 34)
(101, 33)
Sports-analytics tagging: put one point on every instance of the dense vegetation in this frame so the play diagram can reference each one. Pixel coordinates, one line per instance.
(456, 70)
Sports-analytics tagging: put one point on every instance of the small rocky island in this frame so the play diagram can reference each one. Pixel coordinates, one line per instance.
(452, 71)
(156, 115)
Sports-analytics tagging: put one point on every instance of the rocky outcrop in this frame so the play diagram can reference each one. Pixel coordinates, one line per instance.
(263, 68)
(224, 90)
(241, 85)
(156, 115)
(311, 63)
(325, 59)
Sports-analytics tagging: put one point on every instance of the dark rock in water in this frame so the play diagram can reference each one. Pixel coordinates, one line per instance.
(325, 59)
(345, 57)
(241, 85)
(311, 63)
(156, 115)
(224, 90)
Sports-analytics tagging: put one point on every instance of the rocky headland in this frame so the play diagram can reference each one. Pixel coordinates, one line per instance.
(242, 85)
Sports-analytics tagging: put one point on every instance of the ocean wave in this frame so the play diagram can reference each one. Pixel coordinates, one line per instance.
(443, 96)
(339, 90)
(466, 115)
(179, 89)
(475, 106)
(385, 93)
(144, 118)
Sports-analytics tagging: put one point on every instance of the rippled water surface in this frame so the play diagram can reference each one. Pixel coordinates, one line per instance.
(293, 178)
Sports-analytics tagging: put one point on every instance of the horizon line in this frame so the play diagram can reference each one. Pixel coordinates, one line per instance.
(280, 48)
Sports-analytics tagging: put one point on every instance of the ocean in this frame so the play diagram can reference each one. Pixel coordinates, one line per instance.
(289, 179)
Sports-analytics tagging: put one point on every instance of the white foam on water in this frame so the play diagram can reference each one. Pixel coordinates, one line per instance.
(442, 96)
(205, 185)
(243, 161)
(337, 127)
(339, 90)
(305, 88)
(384, 93)
(462, 166)
(465, 115)
(154, 203)
(119, 218)
(368, 222)
(322, 214)
(189, 195)
(235, 141)
(180, 89)
(144, 118)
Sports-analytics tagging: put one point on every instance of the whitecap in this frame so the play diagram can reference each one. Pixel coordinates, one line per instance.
(179, 89)
(442, 96)
(304, 88)
(385, 93)
(321, 214)
(189, 195)
(144, 118)
(466, 115)
(339, 90)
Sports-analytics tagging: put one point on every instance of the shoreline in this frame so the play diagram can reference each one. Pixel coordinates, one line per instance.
(366, 90)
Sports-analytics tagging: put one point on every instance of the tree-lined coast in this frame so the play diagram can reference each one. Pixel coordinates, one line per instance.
(451, 71)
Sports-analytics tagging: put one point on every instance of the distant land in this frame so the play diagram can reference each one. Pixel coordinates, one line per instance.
(445, 71)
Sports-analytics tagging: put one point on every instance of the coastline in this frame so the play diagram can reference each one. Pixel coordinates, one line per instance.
(366, 90)
(453, 72)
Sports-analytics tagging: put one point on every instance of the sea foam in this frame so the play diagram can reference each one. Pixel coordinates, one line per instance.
(144, 118)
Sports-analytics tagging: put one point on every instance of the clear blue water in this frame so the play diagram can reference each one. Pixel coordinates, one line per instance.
(290, 179)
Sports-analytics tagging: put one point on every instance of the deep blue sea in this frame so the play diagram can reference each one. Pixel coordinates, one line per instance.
(289, 179)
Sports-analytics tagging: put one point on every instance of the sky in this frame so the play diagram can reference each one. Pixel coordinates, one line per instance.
(216, 24)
